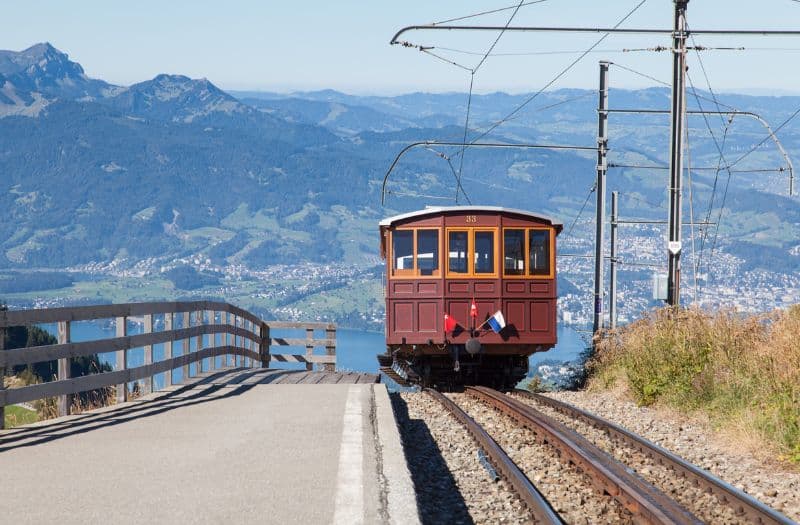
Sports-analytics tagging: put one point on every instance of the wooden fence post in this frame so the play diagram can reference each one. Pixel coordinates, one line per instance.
(199, 320)
(148, 354)
(241, 339)
(244, 341)
(263, 349)
(64, 337)
(309, 348)
(226, 339)
(330, 348)
(212, 340)
(168, 326)
(248, 343)
(2, 382)
(187, 344)
(122, 358)
(235, 340)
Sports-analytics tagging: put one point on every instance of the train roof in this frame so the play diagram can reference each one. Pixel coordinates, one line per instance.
(437, 210)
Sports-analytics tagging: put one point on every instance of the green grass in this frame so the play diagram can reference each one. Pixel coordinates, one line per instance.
(360, 296)
(17, 416)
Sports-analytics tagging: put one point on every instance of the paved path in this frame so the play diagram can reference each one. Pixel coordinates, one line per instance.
(234, 447)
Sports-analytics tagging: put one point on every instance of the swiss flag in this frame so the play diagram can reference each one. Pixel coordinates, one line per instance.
(473, 309)
(449, 323)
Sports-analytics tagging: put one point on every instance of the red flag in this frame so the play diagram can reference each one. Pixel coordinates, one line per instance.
(449, 323)
(473, 309)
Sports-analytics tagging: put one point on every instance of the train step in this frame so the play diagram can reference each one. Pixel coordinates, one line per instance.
(394, 376)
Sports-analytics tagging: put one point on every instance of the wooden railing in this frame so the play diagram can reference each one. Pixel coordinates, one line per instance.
(234, 333)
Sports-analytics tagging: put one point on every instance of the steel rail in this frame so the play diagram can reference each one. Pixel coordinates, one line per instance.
(742, 503)
(636, 495)
(535, 502)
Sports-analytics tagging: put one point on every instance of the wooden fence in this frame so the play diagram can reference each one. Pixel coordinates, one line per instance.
(241, 338)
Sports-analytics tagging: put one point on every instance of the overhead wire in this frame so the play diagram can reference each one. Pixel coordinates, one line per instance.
(722, 162)
(642, 200)
(754, 148)
(466, 130)
(482, 13)
(557, 77)
(471, 84)
(428, 51)
(696, 168)
(527, 53)
(719, 216)
(691, 205)
(749, 152)
(727, 166)
(496, 40)
(578, 51)
(559, 103)
(588, 196)
(453, 170)
(663, 83)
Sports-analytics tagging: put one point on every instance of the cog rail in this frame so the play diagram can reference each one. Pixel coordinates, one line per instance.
(527, 492)
(636, 495)
(742, 503)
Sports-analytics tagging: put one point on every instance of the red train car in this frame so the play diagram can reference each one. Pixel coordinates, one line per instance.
(470, 294)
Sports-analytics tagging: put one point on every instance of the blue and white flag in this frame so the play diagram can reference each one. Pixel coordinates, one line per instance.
(497, 322)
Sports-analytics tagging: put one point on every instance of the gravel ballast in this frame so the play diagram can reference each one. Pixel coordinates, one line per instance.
(569, 491)
(451, 484)
(694, 499)
(772, 483)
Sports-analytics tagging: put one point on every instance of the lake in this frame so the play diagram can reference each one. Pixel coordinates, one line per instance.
(355, 349)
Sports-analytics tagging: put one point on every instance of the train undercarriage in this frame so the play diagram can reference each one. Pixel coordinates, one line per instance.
(452, 368)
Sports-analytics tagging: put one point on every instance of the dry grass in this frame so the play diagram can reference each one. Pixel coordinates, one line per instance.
(742, 371)
(47, 408)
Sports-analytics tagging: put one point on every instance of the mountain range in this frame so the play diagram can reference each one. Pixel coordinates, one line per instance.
(176, 167)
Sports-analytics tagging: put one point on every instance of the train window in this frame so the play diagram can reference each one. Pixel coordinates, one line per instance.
(484, 252)
(457, 247)
(428, 252)
(403, 252)
(539, 241)
(514, 252)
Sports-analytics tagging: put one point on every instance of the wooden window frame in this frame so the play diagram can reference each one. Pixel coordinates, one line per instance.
(496, 273)
(527, 254)
(439, 271)
(471, 252)
(552, 253)
(524, 231)
(412, 273)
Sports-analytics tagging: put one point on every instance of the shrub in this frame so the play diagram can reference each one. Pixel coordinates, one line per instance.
(743, 371)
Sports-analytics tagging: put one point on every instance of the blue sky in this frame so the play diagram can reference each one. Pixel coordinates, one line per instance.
(284, 46)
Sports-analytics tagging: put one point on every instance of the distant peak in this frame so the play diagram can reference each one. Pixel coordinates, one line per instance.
(165, 80)
(44, 50)
(166, 77)
(40, 47)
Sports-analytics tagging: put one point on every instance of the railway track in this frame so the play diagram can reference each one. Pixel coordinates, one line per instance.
(744, 505)
(536, 503)
(679, 495)
(641, 499)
